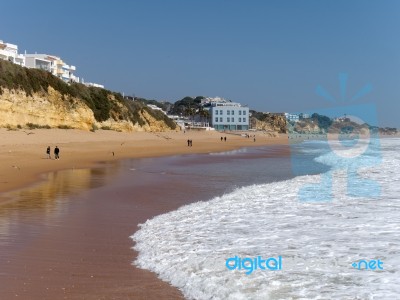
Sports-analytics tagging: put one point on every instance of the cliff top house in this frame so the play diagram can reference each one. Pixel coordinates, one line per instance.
(10, 52)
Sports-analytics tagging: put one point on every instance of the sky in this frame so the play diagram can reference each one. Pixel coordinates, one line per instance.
(270, 55)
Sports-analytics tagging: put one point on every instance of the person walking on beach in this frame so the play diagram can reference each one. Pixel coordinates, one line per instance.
(188, 141)
(56, 153)
(222, 138)
(225, 139)
(48, 152)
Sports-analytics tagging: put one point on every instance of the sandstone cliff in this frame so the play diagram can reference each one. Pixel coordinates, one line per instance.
(269, 122)
(30, 97)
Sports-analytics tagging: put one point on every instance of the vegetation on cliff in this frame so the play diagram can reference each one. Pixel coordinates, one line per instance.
(268, 121)
(186, 106)
(105, 104)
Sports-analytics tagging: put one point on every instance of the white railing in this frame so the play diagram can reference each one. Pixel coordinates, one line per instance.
(68, 67)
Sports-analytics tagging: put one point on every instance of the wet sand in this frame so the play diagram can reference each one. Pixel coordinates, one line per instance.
(80, 248)
(67, 237)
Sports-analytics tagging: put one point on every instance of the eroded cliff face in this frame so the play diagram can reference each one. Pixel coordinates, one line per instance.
(152, 125)
(306, 127)
(55, 110)
(17, 108)
(273, 123)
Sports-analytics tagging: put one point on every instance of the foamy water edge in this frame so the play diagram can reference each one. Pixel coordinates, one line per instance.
(318, 241)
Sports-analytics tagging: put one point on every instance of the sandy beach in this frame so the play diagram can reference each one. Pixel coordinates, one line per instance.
(23, 152)
(84, 252)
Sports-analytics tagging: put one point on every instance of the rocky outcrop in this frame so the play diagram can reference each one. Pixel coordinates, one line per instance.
(269, 123)
(311, 126)
(305, 127)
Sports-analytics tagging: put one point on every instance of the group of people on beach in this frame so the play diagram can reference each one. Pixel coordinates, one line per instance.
(56, 152)
(223, 139)
(248, 136)
(190, 143)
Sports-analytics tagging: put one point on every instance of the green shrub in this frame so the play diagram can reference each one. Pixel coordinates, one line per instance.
(11, 128)
(94, 128)
(32, 125)
(35, 126)
(65, 127)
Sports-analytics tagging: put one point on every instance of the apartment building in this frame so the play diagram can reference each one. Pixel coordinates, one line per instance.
(10, 52)
(52, 64)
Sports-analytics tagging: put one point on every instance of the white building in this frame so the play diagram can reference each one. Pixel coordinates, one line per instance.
(304, 116)
(52, 64)
(10, 52)
(292, 117)
(227, 115)
(93, 84)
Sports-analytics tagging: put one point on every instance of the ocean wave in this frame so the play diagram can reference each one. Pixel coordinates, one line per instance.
(317, 241)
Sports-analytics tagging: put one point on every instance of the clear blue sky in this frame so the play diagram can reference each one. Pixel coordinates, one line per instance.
(270, 55)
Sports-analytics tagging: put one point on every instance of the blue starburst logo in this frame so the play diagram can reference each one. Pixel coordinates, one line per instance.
(343, 90)
(347, 140)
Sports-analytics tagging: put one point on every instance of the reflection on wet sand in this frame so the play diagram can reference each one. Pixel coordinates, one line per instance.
(48, 196)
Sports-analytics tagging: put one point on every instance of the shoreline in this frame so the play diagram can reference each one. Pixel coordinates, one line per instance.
(96, 226)
(23, 158)
(81, 247)
(24, 163)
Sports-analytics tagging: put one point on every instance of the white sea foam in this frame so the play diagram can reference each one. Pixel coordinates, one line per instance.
(318, 241)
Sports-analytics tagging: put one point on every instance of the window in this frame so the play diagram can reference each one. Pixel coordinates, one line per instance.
(233, 112)
(216, 111)
(228, 112)
(240, 119)
(216, 119)
(244, 113)
(220, 112)
(244, 119)
(240, 112)
(233, 119)
(229, 119)
(220, 119)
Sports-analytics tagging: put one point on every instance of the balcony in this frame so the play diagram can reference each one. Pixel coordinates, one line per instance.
(69, 68)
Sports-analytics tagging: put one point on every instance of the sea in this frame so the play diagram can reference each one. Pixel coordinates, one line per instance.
(330, 210)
